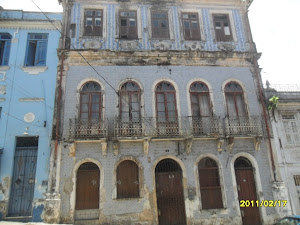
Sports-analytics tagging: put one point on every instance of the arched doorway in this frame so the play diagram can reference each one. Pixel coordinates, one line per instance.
(247, 191)
(169, 193)
(87, 186)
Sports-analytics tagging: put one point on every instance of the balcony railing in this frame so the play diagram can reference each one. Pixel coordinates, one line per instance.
(172, 128)
(128, 128)
(87, 129)
(205, 126)
(243, 126)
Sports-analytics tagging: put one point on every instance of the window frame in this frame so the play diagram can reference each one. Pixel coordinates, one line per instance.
(36, 47)
(291, 128)
(93, 26)
(90, 103)
(218, 188)
(159, 36)
(220, 36)
(198, 94)
(6, 46)
(165, 93)
(235, 94)
(135, 188)
(128, 30)
(197, 38)
(130, 94)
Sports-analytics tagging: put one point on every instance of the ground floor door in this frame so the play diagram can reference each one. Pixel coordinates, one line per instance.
(169, 193)
(247, 191)
(23, 179)
(87, 188)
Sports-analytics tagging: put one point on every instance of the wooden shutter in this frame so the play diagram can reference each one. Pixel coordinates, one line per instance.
(41, 53)
(209, 180)
(127, 180)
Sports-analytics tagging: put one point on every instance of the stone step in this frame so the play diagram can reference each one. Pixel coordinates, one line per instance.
(23, 219)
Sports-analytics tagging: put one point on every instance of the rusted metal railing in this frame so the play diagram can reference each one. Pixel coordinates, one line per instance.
(204, 126)
(87, 129)
(243, 126)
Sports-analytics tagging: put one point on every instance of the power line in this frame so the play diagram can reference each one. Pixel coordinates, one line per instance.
(21, 120)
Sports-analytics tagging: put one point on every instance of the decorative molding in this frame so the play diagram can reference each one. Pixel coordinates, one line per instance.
(116, 147)
(257, 143)
(29, 117)
(188, 145)
(220, 143)
(2, 99)
(34, 70)
(129, 45)
(72, 149)
(2, 89)
(31, 99)
(230, 143)
(146, 146)
(30, 24)
(104, 148)
(4, 68)
(92, 44)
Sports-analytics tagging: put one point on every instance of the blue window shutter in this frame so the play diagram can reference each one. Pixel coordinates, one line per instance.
(30, 55)
(41, 52)
(6, 53)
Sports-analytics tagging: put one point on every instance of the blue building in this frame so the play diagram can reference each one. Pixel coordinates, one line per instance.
(28, 67)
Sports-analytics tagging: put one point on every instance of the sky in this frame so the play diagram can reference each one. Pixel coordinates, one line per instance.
(275, 30)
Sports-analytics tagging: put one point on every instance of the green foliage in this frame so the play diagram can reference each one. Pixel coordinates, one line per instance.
(273, 103)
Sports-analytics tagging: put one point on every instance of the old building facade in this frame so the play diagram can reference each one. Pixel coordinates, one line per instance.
(158, 116)
(286, 128)
(28, 68)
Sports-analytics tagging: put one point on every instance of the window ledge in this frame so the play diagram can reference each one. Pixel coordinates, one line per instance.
(4, 68)
(34, 70)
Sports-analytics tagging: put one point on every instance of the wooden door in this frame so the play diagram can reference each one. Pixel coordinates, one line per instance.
(23, 182)
(170, 202)
(247, 191)
(87, 190)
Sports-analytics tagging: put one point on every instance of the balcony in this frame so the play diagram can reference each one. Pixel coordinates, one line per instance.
(204, 126)
(130, 128)
(243, 126)
(87, 129)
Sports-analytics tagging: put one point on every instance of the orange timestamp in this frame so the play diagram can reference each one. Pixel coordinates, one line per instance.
(263, 203)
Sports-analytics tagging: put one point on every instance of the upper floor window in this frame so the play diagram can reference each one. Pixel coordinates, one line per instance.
(91, 101)
(160, 25)
(222, 27)
(128, 25)
(166, 102)
(291, 129)
(130, 97)
(93, 22)
(210, 188)
(36, 52)
(200, 101)
(234, 94)
(5, 42)
(191, 27)
(128, 180)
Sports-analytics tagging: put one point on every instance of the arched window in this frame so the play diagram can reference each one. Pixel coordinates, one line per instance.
(90, 102)
(235, 100)
(130, 102)
(210, 188)
(128, 180)
(166, 110)
(200, 101)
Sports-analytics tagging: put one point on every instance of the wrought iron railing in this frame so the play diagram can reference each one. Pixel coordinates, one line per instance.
(243, 126)
(204, 126)
(128, 127)
(87, 129)
(158, 127)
